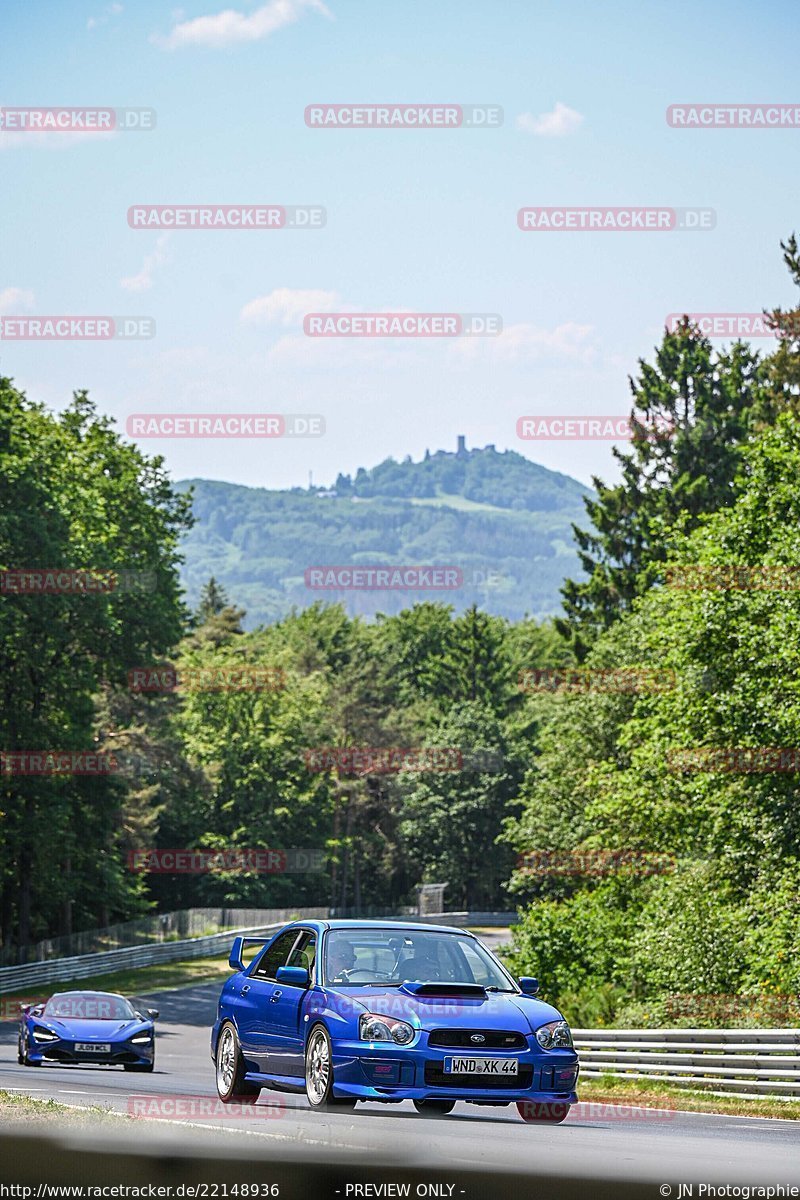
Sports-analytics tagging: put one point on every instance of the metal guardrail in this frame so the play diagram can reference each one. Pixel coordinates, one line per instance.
(744, 1062)
(84, 966)
(147, 930)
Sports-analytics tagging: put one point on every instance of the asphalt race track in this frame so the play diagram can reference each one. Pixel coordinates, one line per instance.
(666, 1147)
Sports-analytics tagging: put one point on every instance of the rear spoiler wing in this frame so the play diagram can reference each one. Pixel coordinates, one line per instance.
(239, 943)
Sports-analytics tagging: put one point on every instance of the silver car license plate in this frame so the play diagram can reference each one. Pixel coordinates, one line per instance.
(481, 1066)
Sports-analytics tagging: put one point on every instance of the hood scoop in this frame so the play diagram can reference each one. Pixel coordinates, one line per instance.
(472, 991)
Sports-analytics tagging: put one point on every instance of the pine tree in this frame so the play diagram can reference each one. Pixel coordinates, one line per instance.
(213, 598)
(692, 411)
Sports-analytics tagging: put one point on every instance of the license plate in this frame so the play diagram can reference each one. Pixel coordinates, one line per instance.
(93, 1047)
(481, 1066)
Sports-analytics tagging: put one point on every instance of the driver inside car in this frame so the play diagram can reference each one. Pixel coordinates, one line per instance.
(341, 959)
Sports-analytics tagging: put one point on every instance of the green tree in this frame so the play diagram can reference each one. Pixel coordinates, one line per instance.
(451, 819)
(692, 412)
(213, 599)
(613, 771)
(74, 497)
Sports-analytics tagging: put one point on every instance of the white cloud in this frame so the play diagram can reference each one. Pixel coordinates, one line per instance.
(112, 10)
(527, 343)
(558, 123)
(144, 280)
(297, 353)
(288, 306)
(12, 299)
(230, 27)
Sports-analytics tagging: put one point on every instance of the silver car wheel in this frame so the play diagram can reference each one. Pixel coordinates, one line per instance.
(318, 1067)
(226, 1060)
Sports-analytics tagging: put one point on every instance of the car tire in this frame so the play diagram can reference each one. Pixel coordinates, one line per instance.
(551, 1113)
(319, 1074)
(232, 1087)
(146, 1067)
(434, 1108)
(22, 1057)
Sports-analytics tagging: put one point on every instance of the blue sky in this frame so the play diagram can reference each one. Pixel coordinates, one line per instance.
(417, 220)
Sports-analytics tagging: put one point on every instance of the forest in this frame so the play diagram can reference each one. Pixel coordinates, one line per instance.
(622, 773)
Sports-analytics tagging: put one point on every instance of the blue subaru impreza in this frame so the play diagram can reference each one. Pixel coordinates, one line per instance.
(370, 1010)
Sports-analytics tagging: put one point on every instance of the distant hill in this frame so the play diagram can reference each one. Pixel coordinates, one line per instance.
(503, 520)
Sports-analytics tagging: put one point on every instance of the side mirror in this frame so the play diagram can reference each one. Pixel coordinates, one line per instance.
(235, 959)
(152, 1013)
(529, 985)
(294, 976)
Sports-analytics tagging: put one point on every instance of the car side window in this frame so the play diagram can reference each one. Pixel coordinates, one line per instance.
(276, 955)
(304, 952)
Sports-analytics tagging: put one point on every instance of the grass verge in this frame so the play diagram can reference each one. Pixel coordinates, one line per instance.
(660, 1095)
(17, 1107)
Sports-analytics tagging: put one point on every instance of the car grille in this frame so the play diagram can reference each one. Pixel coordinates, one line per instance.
(436, 1077)
(493, 1039)
(60, 1054)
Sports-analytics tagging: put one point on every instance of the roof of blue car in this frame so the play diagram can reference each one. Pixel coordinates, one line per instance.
(88, 992)
(386, 923)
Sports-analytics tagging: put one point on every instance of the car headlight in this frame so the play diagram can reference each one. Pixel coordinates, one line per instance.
(555, 1035)
(372, 1027)
(139, 1039)
(44, 1035)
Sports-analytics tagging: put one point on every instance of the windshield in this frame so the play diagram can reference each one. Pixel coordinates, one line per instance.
(390, 957)
(91, 1006)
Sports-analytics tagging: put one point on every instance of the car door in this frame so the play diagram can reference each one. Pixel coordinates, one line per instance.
(253, 1005)
(285, 1037)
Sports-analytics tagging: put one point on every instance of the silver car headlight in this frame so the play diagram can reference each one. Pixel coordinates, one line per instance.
(44, 1035)
(555, 1035)
(372, 1027)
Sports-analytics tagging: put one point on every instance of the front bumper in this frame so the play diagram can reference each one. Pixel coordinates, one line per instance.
(64, 1053)
(379, 1071)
